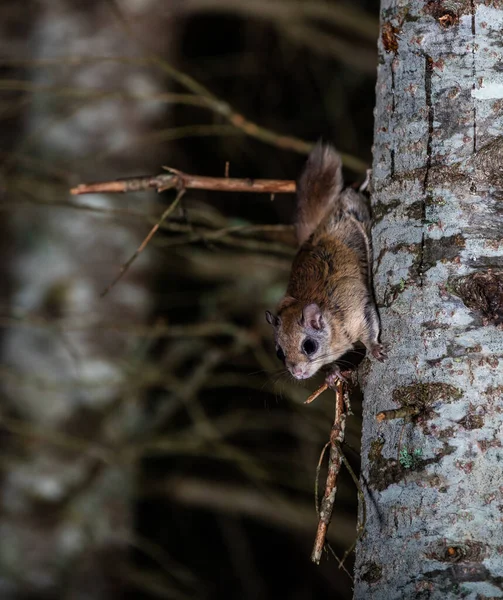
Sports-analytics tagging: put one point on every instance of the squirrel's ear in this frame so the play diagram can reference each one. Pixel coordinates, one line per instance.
(270, 318)
(312, 317)
(286, 302)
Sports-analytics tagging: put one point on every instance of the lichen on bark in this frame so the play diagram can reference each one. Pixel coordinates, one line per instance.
(437, 279)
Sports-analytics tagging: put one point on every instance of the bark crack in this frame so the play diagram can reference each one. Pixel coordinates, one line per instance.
(393, 101)
(393, 107)
(428, 71)
(472, 7)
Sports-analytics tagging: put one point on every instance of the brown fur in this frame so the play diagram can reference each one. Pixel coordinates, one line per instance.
(329, 298)
(319, 187)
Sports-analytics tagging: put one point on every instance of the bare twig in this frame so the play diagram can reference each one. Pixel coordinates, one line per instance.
(360, 527)
(318, 469)
(317, 393)
(145, 242)
(201, 96)
(397, 413)
(336, 458)
(177, 179)
(341, 564)
(334, 465)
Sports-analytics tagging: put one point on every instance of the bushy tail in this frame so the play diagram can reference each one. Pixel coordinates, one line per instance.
(318, 188)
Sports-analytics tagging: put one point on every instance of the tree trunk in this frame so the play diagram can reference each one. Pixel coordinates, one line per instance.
(433, 478)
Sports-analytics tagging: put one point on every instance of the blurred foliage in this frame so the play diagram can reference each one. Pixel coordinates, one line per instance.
(225, 450)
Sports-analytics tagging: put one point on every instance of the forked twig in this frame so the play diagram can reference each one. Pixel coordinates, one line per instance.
(360, 527)
(177, 179)
(336, 458)
(334, 465)
(145, 242)
(317, 506)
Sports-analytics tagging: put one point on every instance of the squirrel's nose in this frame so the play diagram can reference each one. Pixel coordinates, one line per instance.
(298, 372)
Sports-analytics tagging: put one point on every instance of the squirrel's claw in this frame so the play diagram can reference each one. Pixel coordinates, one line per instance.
(379, 352)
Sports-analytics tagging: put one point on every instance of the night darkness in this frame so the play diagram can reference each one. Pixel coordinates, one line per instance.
(220, 498)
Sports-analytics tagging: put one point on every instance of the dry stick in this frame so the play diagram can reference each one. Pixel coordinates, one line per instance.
(317, 505)
(317, 393)
(340, 561)
(334, 466)
(360, 527)
(397, 413)
(318, 469)
(145, 242)
(203, 100)
(177, 179)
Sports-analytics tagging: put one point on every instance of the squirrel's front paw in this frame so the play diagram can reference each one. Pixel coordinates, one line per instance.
(336, 375)
(379, 352)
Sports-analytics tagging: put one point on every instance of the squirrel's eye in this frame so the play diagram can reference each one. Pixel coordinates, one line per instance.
(309, 346)
(280, 354)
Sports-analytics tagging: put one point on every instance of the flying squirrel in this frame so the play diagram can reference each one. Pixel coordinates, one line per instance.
(329, 303)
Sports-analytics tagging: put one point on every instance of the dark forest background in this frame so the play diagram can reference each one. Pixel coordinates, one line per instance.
(152, 446)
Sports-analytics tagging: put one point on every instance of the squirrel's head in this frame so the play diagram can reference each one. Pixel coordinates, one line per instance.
(303, 336)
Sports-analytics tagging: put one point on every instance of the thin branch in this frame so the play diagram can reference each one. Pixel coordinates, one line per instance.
(317, 393)
(206, 100)
(316, 486)
(336, 437)
(224, 109)
(397, 413)
(145, 242)
(360, 527)
(334, 465)
(341, 563)
(177, 179)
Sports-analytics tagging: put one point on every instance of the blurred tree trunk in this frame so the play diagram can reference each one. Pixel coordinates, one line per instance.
(67, 379)
(434, 480)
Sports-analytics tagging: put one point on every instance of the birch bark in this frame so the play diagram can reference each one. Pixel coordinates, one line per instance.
(434, 483)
